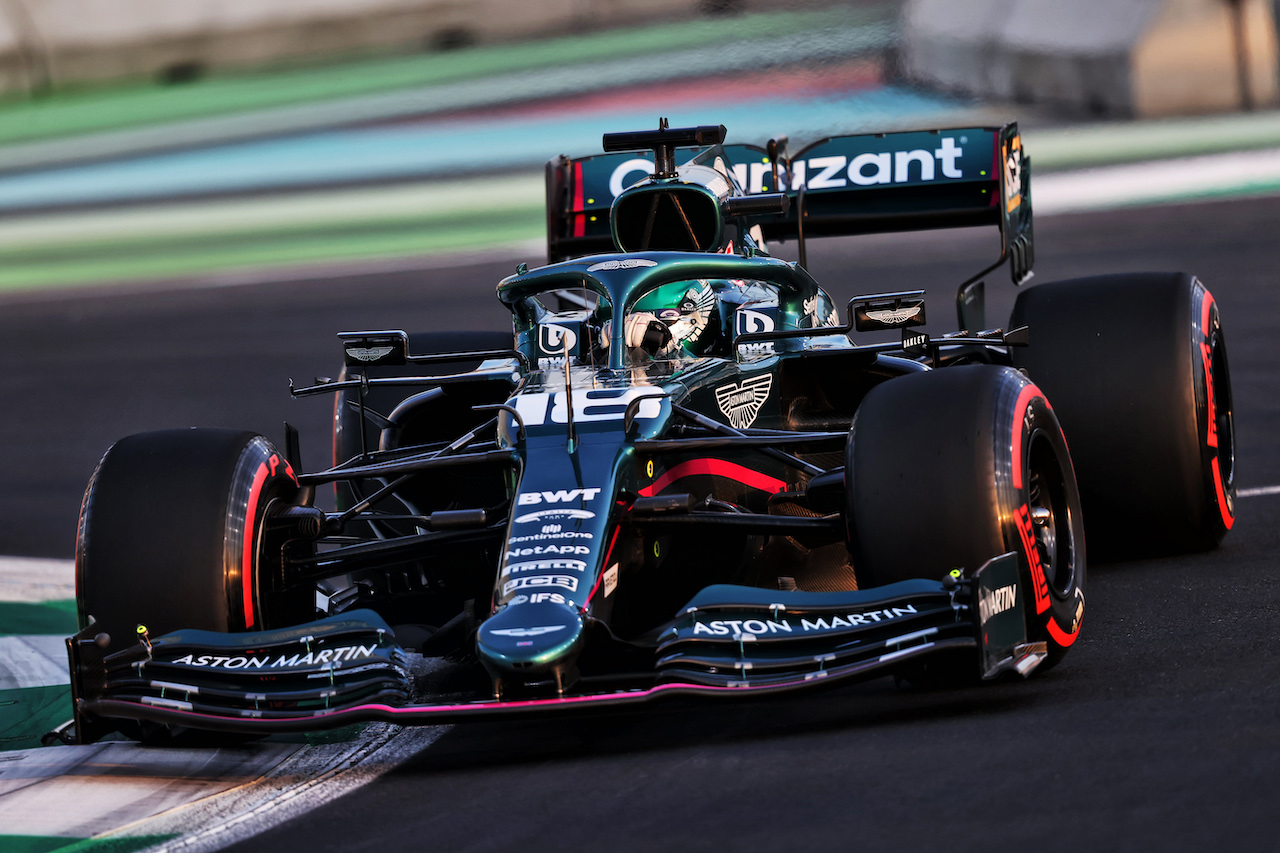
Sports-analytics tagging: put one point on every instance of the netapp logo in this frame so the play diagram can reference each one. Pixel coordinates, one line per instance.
(538, 550)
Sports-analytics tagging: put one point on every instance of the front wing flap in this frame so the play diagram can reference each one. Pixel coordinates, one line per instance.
(728, 641)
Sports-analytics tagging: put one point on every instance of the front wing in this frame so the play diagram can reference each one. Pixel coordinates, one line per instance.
(728, 641)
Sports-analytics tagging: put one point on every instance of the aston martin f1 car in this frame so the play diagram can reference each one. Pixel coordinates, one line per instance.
(679, 475)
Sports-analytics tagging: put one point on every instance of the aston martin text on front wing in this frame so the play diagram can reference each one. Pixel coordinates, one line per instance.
(759, 627)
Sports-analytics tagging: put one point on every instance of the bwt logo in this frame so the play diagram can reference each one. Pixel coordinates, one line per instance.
(886, 167)
(558, 496)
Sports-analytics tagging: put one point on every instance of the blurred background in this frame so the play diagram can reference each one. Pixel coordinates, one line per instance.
(195, 195)
(148, 140)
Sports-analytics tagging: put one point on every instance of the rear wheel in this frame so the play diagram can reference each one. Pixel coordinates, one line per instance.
(173, 535)
(1136, 366)
(952, 467)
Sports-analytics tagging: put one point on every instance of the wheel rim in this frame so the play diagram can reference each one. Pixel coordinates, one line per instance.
(1051, 516)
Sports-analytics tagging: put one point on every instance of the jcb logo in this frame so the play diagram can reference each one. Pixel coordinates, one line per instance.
(559, 496)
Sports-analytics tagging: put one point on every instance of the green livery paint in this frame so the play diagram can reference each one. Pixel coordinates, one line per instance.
(614, 503)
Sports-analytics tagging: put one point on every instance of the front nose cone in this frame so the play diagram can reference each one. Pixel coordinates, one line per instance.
(531, 642)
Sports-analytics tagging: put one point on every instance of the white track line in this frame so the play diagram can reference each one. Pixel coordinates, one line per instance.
(1258, 492)
(1176, 180)
(326, 773)
(31, 580)
(35, 661)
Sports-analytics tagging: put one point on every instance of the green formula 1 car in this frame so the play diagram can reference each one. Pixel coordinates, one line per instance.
(678, 476)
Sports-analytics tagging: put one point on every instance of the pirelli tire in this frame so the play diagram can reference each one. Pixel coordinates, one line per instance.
(1136, 366)
(949, 468)
(173, 534)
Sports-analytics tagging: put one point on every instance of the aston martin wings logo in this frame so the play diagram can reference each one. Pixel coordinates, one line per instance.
(894, 316)
(741, 403)
(624, 264)
(528, 632)
(369, 353)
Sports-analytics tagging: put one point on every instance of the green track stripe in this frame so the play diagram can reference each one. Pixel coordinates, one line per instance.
(1130, 142)
(21, 270)
(85, 110)
(33, 843)
(28, 712)
(50, 843)
(46, 617)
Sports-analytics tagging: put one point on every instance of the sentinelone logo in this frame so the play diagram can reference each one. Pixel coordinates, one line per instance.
(834, 171)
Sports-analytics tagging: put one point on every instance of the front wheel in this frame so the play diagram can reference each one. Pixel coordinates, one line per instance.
(952, 467)
(173, 534)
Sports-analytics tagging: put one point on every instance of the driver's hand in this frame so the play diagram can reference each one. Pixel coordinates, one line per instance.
(645, 331)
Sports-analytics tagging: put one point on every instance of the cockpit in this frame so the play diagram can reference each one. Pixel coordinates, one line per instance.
(672, 323)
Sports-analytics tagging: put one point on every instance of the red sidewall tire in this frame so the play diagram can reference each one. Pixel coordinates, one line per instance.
(1215, 428)
(171, 532)
(1136, 367)
(945, 469)
(1042, 478)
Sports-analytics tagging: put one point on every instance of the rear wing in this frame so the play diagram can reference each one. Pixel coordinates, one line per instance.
(863, 184)
(580, 192)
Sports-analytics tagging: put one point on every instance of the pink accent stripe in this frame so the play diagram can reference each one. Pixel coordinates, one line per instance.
(1019, 413)
(579, 221)
(997, 173)
(715, 468)
(246, 559)
(605, 565)
(499, 705)
(477, 708)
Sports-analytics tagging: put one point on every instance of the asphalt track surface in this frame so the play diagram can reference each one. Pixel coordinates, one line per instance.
(1161, 729)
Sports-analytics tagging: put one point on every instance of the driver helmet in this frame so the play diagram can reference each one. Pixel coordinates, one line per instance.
(685, 308)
